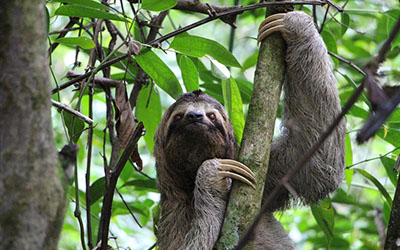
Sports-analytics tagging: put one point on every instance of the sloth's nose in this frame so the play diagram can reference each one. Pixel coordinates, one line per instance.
(195, 116)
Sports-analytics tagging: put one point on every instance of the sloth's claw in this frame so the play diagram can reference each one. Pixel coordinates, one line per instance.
(236, 170)
(271, 24)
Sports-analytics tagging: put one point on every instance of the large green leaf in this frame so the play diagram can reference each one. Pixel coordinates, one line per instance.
(82, 41)
(159, 72)
(329, 41)
(81, 11)
(380, 187)
(86, 3)
(348, 173)
(157, 5)
(74, 125)
(148, 110)
(190, 76)
(147, 184)
(234, 106)
(389, 163)
(97, 190)
(199, 46)
(324, 215)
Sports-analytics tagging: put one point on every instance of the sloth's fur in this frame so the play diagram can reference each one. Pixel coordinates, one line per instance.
(193, 196)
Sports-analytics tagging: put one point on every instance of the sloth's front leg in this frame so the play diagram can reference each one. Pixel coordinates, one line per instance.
(213, 182)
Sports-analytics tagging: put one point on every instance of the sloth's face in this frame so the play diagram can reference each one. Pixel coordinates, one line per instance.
(199, 119)
(193, 129)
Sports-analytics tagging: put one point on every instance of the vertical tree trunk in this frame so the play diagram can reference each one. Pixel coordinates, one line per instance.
(32, 197)
(244, 203)
(393, 232)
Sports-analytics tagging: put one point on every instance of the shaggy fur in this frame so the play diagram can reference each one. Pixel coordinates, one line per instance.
(193, 195)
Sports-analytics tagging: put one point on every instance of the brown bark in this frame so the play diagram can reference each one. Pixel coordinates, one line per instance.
(32, 194)
(392, 240)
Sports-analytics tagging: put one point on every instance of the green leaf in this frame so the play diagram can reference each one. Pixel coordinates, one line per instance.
(147, 184)
(219, 70)
(97, 190)
(389, 163)
(86, 3)
(348, 173)
(380, 187)
(250, 61)
(81, 11)
(234, 106)
(82, 41)
(345, 19)
(74, 125)
(329, 41)
(190, 76)
(390, 135)
(159, 72)
(148, 110)
(325, 216)
(198, 46)
(157, 5)
(47, 20)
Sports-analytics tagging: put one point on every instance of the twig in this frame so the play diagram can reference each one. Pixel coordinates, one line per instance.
(323, 21)
(350, 63)
(97, 80)
(72, 111)
(393, 230)
(115, 173)
(77, 211)
(334, 5)
(87, 174)
(128, 207)
(372, 159)
(72, 21)
(90, 25)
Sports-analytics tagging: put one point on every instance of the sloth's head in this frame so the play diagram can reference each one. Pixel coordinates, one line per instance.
(193, 129)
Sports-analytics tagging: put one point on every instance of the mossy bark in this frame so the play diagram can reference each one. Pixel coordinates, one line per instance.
(32, 191)
(244, 202)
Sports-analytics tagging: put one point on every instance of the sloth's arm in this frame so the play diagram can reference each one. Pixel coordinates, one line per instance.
(310, 105)
(213, 182)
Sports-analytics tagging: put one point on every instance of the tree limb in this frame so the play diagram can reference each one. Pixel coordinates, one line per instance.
(254, 152)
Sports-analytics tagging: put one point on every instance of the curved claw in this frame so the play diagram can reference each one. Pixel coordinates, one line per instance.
(271, 24)
(236, 170)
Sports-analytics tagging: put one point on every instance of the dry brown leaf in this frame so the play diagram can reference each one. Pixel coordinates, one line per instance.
(125, 122)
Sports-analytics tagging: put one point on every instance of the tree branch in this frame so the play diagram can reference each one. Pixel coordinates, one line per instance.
(260, 123)
(109, 193)
(72, 111)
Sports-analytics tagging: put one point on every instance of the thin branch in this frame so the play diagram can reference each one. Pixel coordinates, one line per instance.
(372, 159)
(350, 63)
(97, 80)
(334, 5)
(72, 111)
(115, 173)
(87, 174)
(129, 208)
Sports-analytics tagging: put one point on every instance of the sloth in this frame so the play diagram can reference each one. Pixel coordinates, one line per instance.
(195, 147)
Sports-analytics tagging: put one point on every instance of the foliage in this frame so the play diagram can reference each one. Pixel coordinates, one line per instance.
(199, 58)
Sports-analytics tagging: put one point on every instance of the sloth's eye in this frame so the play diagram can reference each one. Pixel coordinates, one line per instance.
(178, 117)
(211, 116)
